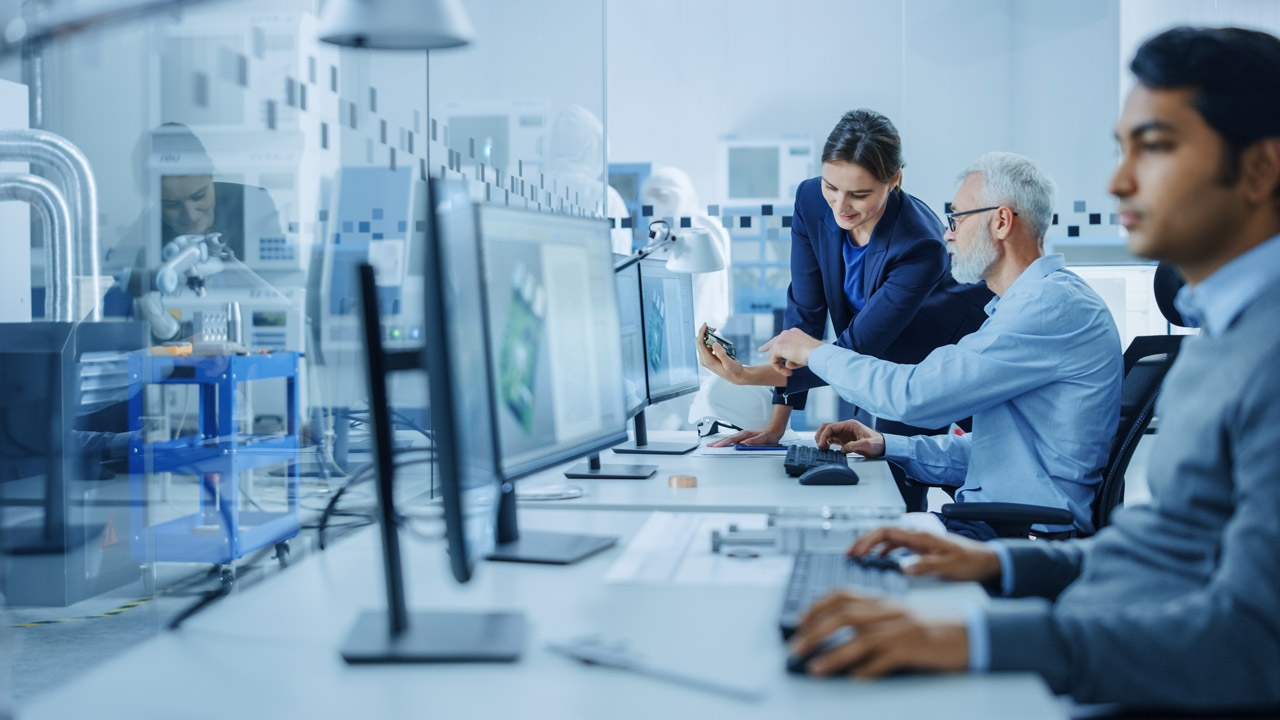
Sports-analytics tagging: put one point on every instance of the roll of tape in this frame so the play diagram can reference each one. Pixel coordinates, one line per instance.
(682, 481)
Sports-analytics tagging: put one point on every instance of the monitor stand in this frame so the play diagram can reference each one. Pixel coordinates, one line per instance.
(593, 469)
(395, 635)
(436, 637)
(642, 446)
(544, 548)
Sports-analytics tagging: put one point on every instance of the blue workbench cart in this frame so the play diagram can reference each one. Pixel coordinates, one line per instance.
(219, 530)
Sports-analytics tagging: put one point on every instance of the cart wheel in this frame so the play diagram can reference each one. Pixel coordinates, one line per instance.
(227, 574)
(282, 553)
(148, 572)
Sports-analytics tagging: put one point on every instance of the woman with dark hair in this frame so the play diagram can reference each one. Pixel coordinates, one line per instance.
(871, 258)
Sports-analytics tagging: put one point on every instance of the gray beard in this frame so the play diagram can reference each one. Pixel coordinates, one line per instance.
(972, 267)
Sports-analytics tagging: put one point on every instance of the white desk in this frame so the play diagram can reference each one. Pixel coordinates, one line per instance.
(746, 484)
(271, 651)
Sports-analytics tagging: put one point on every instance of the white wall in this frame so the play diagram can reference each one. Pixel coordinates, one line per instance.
(1140, 19)
(958, 78)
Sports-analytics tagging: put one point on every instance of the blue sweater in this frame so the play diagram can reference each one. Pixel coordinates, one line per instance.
(1178, 602)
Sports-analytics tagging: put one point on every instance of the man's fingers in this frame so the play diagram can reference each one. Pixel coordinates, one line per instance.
(867, 541)
(849, 655)
(888, 658)
(929, 564)
(921, 543)
(812, 632)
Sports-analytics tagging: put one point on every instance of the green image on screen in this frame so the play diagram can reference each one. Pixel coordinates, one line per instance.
(656, 332)
(518, 364)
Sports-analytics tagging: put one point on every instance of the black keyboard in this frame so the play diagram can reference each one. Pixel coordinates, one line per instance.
(803, 457)
(816, 574)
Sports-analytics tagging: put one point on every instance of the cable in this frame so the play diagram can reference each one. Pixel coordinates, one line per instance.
(364, 473)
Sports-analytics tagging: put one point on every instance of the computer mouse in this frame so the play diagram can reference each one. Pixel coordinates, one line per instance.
(799, 664)
(833, 474)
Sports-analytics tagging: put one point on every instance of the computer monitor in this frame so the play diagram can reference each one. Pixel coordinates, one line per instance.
(671, 360)
(455, 357)
(1128, 291)
(634, 379)
(553, 326)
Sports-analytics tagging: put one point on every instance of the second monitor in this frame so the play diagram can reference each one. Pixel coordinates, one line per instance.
(670, 358)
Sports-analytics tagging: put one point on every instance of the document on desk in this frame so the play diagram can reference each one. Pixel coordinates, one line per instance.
(675, 549)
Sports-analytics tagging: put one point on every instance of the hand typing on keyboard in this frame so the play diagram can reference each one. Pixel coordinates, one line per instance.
(951, 556)
(851, 436)
(883, 638)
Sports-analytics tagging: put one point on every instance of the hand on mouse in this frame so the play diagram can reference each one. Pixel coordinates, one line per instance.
(888, 638)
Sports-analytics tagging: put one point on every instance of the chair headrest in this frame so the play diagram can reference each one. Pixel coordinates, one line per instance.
(1167, 283)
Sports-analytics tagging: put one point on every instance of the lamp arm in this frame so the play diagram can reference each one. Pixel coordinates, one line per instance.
(660, 237)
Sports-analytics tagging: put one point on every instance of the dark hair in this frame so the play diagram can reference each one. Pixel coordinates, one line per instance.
(1234, 73)
(868, 139)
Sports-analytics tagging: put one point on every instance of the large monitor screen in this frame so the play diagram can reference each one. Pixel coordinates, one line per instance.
(553, 326)
(671, 360)
(457, 366)
(634, 383)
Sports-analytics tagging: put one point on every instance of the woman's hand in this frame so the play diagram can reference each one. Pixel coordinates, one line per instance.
(764, 436)
(717, 360)
(851, 436)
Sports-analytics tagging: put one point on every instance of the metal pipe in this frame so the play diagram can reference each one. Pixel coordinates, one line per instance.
(60, 289)
(72, 168)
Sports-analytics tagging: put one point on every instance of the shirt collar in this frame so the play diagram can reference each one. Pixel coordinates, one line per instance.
(1215, 303)
(1037, 270)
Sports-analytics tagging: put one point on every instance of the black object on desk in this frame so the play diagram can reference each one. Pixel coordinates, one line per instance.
(832, 474)
(468, 482)
(803, 459)
(593, 469)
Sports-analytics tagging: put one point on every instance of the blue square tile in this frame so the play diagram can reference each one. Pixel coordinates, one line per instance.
(364, 226)
(377, 213)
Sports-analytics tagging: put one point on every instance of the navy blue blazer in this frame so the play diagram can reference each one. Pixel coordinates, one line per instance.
(913, 304)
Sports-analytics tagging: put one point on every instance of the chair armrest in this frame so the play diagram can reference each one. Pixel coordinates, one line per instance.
(1004, 513)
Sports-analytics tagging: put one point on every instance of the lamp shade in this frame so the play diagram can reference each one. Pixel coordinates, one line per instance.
(395, 24)
(695, 251)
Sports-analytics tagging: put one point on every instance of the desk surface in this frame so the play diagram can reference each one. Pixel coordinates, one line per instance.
(272, 650)
(732, 484)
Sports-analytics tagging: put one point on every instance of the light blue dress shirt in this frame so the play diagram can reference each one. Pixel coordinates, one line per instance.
(1214, 304)
(1041, 379)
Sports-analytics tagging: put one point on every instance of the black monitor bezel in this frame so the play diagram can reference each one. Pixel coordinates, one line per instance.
(436, 357)
(676, 390)
(588, 447)
(644, 400)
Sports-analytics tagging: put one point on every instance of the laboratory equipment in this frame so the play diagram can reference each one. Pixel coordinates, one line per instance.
(63, 437)
(756, 170)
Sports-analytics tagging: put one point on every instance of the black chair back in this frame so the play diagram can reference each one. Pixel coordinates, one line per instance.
(1146, 362)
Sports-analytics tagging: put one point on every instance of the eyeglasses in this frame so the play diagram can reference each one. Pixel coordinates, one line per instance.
(951, 216)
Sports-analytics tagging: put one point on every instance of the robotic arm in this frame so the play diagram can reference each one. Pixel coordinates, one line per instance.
(188, 259)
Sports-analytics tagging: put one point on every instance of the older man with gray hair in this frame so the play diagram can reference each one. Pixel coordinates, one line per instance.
(1041, 377)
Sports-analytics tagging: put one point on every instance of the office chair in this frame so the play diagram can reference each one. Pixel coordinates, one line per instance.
(1146, 362)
